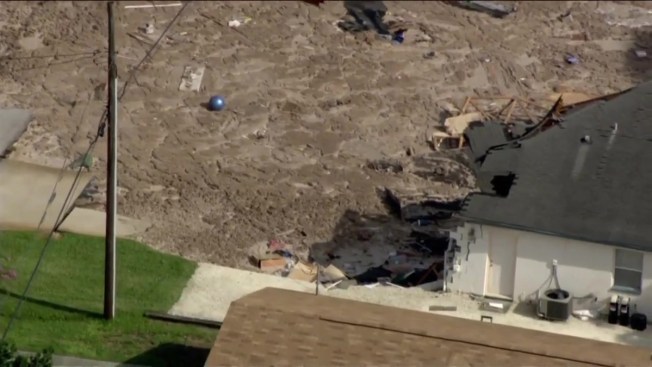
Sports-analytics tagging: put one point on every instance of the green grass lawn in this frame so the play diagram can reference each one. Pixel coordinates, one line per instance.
(64, 305)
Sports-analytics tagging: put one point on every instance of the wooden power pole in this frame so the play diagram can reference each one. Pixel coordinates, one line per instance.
(111, 175)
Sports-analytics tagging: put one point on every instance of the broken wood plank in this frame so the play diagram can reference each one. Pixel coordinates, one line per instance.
(191, 78)
(272, 265)
(571, 98)
(304, 272)
(332, 274)
(456, 125)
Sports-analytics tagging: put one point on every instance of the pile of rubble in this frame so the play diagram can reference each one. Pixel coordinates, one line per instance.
(417, 261)
(407, 249)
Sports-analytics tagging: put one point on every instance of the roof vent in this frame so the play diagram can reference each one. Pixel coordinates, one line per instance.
(586, 139)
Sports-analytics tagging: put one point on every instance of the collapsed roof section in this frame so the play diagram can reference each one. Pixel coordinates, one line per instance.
(585, 178)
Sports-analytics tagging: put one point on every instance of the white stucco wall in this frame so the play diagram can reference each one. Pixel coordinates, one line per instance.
(582, 267)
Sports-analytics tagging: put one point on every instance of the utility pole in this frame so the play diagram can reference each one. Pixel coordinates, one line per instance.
(111, 175)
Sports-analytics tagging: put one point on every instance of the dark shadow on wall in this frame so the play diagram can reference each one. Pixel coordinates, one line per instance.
(171, 355)
(639, 59)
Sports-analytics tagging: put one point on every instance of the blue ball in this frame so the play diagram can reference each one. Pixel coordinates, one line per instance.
(216, 103)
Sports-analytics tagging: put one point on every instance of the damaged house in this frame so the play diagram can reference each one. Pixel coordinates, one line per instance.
(575, 200)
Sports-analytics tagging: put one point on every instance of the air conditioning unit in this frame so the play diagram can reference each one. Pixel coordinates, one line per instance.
(555, 304)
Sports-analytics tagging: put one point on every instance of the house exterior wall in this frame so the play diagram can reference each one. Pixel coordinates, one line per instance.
(582, 267)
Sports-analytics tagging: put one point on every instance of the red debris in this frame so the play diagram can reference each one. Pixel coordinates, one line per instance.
(275, 245)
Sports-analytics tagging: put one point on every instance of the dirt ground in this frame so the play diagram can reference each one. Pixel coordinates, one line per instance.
(307, 104)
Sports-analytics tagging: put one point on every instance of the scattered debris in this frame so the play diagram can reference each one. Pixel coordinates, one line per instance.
(191, 78)
(399, 36)
(509, 111)
(147, 28)
(303, 271)
(495, 10)
(386, 165)
(334, 285)
(622, 14)
(641, 54)
(272, 264)
(429, 55)
(332, 274)
(572, 59)
(566, 14)
(235, 23)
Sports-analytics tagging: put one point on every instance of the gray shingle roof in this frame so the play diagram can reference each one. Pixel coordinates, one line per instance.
(599, 191)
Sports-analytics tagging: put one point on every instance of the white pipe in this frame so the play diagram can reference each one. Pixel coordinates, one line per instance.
(450, 247)
(152, 6)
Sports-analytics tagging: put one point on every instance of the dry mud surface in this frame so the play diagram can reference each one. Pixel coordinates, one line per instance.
(308, 105)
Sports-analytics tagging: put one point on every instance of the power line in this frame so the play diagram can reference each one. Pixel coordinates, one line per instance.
(53, 194)
(132, 75)
(15, 58)
(51, 233)
(60, 63)
(99, 134)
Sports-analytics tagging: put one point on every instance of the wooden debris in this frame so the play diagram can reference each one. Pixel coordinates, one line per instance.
(272, 264)
(191, 78)
(571, 98)
(456, 125)
(304, 271)
(441, 139)
(332, 274)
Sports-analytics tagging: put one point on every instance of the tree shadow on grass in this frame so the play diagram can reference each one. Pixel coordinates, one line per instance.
(170, 354)
(52, 305)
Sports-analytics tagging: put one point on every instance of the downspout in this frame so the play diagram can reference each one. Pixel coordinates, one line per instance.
(451, 247)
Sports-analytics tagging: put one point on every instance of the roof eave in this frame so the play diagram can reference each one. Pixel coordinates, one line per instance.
(549, 233)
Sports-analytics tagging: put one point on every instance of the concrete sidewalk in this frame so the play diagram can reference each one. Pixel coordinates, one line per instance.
(63, 361)
(66, 361)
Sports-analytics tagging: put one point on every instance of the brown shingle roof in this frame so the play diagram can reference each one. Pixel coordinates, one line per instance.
(286, 328)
